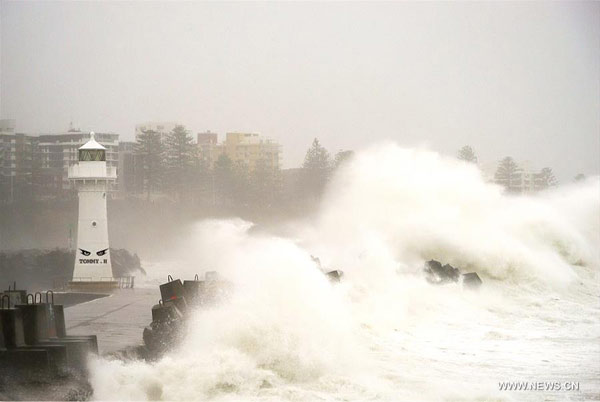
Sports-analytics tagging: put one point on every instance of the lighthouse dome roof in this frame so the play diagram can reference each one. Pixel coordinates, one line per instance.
(92, 143)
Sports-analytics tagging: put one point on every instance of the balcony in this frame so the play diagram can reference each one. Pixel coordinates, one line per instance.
(92, 170)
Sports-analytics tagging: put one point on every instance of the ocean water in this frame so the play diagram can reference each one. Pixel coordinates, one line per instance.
(384, 333)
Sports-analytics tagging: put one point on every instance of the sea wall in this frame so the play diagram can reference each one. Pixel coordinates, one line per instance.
(38, 269)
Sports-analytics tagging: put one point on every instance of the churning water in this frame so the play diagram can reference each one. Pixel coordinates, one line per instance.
(384, 333)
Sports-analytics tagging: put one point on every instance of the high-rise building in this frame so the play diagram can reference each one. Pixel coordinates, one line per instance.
(249, 148)
(130, 169)
(57, 152)
(525, 180)
(7, 126)
(19, 167)
(208, 148)
(161, 127)
(36, 166)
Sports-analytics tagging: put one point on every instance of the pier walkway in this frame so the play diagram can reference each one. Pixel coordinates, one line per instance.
(118, 320)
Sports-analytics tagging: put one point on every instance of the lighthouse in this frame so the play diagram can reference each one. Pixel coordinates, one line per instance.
(91, 178)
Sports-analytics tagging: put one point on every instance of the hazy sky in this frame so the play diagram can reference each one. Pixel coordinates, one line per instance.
(520, 79)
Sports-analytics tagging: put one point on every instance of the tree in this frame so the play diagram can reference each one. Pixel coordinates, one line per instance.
(508, 175)
(316, 169)
(151, 152)
(224, 186)
(202, 181)
(545, 178)
(265, 185)
(467, 154)
(241, 183)
(181, 156)
(342, 157)
(579, 177)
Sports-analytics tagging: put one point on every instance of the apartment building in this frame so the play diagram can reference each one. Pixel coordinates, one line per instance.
(18, 165)
(208, 147)
(526, 180)
(130, 177)
(161, 127)
(56, 152)
(249, 148)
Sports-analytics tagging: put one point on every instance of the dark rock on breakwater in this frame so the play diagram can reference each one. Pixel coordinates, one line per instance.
(41, 269)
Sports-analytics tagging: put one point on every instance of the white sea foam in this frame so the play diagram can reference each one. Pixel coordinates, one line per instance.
(385, 333)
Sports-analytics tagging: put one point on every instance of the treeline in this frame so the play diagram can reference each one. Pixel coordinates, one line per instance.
(513, 177)
(173, 167)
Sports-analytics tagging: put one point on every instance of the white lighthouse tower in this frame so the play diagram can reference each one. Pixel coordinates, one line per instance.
(91, 177)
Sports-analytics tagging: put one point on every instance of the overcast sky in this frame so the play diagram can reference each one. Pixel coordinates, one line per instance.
(518, 79)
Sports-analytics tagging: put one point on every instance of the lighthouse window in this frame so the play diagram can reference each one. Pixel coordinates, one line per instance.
(94, 223)
(98, 155)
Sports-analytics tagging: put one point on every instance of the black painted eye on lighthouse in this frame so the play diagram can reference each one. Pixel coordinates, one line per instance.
(84, 252)
(101, 252)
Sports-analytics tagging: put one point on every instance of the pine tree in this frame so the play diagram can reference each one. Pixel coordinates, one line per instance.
(265, 185)
(467, 154)
(545, 179)
(508, 174)
(342, 157)
(181, 159)
(202, 181)
(224, 182)
(150, 151)
(241, 183)
(316, 169)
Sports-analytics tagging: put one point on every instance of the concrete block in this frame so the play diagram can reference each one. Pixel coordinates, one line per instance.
(59, 321)
(172, 290)
(335, 276)
(35, 322)
(471, 280)
(77, 351)
(193, 289)
(12, 326)
(91, 340)
(22, 361)
(2, 346)
(15, 296)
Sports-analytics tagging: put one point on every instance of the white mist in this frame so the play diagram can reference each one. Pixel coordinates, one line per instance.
(385, 333)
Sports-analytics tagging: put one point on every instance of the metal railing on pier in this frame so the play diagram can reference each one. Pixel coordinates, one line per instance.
(122, 282)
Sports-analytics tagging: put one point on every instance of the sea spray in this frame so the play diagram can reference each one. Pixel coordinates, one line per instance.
(414, 205)
(384, 332)
(284, 323)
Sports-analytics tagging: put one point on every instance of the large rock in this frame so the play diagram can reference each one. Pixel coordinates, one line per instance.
(471, 280)
(438, 274)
